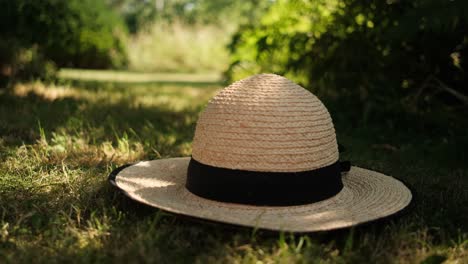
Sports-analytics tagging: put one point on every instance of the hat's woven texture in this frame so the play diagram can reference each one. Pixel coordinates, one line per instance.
(265, 123)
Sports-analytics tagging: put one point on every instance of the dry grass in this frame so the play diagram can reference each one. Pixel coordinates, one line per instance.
(179, 48)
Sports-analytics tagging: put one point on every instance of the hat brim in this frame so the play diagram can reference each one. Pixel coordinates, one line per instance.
(367, 195)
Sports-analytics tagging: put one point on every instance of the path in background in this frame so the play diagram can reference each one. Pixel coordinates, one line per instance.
(136, 77)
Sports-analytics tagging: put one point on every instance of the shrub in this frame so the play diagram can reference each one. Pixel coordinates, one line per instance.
(73, 33)
(382, 54)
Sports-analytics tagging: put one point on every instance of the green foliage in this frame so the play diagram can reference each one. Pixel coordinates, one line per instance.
(274, 41)
(231, 12)
(32, 63)
(136, 13)
(23, 63)
(75, 33)
(379, 52)
(140, 14)
(91, 36)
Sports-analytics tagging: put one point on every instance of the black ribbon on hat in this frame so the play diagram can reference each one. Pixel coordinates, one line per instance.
(265, 188)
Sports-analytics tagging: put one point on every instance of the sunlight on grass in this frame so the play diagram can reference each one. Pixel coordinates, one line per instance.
(136, 77)
(175, 98)
(179, 47)
(49, 93)
(63, 140)
(54, 182)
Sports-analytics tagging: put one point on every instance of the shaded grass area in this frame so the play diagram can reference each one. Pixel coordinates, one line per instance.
(58, 143)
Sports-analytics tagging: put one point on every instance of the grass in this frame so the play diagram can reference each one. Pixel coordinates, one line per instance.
(179, 48)
(59, 142)
(137, 77)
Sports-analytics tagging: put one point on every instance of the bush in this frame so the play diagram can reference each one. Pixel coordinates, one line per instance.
(382, 54)
(73, 33)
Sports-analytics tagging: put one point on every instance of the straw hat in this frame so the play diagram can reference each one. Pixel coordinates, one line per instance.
(265, 155)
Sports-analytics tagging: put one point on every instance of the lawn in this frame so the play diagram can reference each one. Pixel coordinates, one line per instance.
(58, 143)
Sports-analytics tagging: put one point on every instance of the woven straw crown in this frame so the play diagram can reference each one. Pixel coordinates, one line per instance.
(265, 123)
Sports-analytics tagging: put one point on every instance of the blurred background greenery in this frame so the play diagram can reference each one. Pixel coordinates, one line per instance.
(401, 54)
(138, 35)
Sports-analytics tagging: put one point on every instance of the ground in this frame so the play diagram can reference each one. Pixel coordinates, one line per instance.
(59, 142)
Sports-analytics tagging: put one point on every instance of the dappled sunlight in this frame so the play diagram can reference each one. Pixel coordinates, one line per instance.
(169, 96)
(100, 100)
(56, 163)
(101, 125)
(76, 151)
(185, 149)
(330, 218)
(138, 183)
(50, 93)
(392, 74)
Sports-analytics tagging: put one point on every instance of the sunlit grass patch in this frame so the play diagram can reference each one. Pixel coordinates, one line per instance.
(137, 77)
(59, 142)
(58, 148)
(176, 97)
(179, 47)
